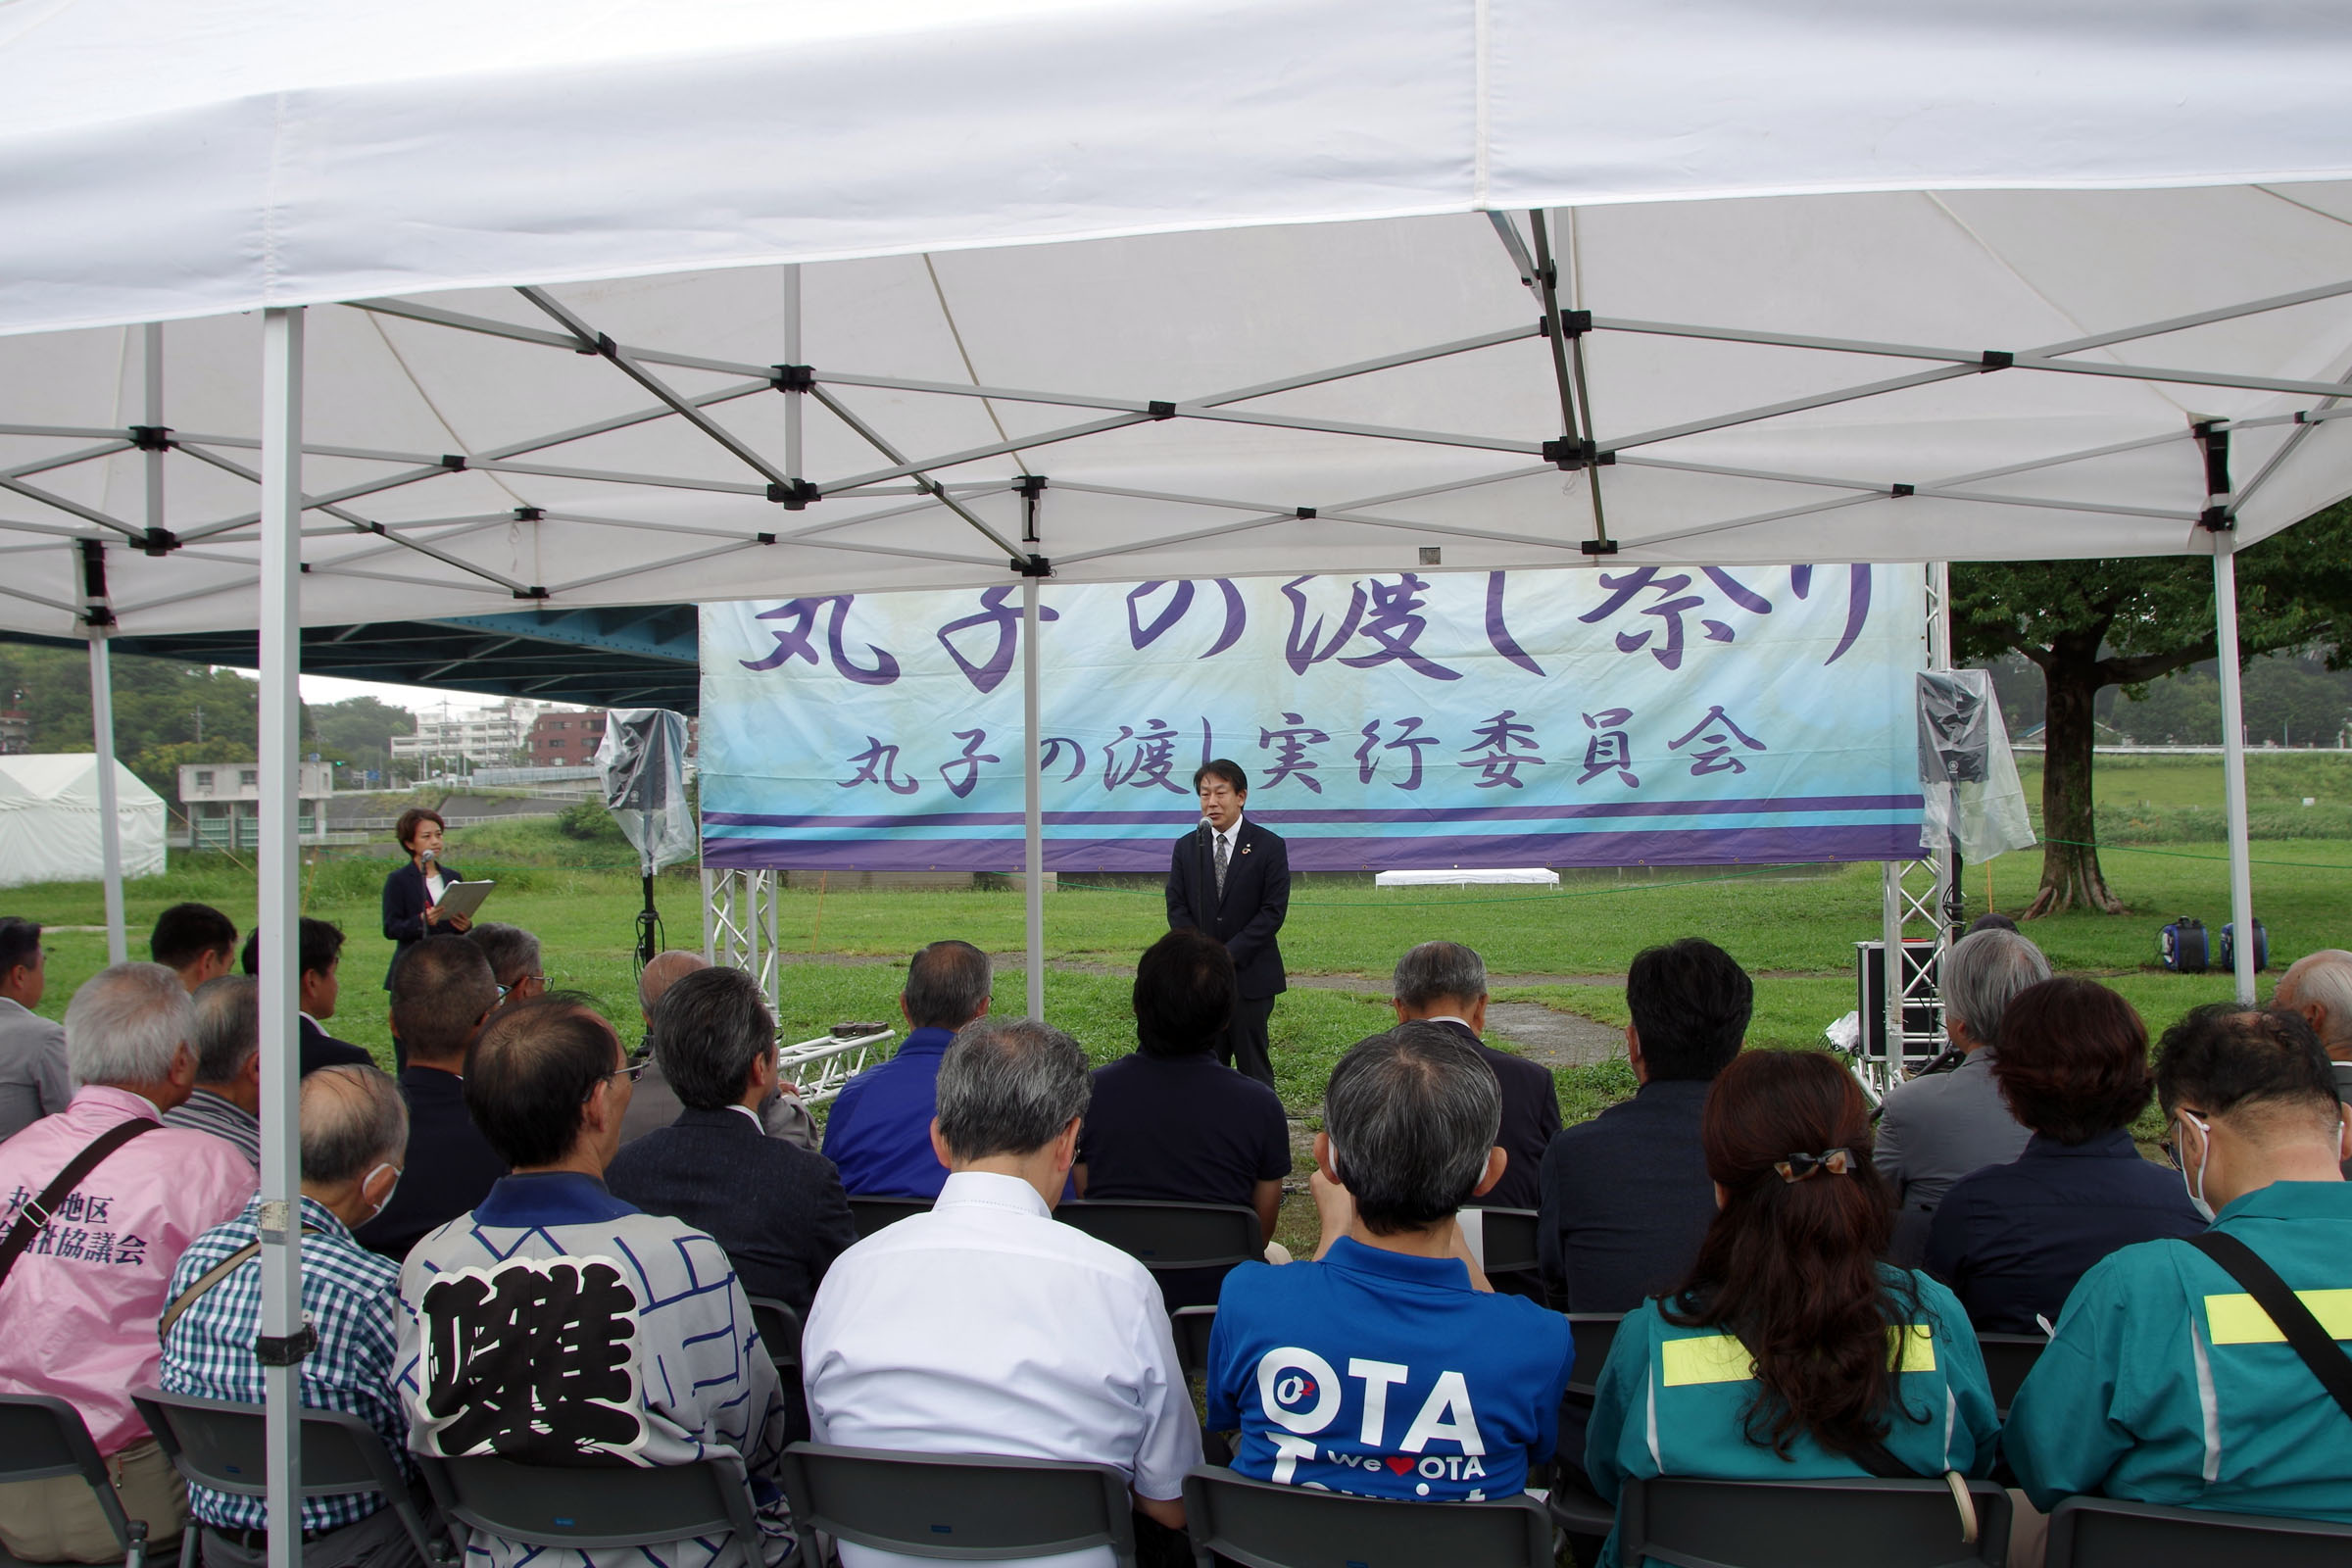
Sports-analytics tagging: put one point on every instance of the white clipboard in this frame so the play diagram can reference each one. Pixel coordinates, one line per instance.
(463, 897)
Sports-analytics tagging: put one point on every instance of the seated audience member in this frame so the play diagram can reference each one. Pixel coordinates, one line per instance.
(513, 955)
(195, 940)
(879, 1130)
(653, 1106)
(1446, 983)
(552, 1273)
(1790, 1351)
(2166, 1382)
(441, 993)
(716, 1042)
(34, 1080)
(1626, 1195)
(321, 950)
(1942, 1124)
(1171, 1123)
(226, 1099)
(2319, 988)
(354, 1128)
(1449, 1391)
(81, 1302)
(985, 1327)
(2012, 1239)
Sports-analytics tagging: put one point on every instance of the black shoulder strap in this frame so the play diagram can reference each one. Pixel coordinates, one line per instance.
(35, 1216)
(2310, 1340)
(1880, 1464)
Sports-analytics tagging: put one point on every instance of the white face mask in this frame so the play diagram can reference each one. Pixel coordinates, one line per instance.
(388, 1191)
(2196, 1189)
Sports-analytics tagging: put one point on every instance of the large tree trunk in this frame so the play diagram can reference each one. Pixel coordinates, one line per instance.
(2070, 858)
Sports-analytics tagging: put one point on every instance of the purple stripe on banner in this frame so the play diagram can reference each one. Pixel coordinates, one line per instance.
(1653, 847)
(1177, 821)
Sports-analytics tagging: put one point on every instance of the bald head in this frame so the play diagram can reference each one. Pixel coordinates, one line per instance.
(666, 970)
(2319, 989)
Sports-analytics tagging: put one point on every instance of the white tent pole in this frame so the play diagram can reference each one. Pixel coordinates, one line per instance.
(793, 399)
(110, 820)
(2233, 758)
(1033, 848)
(279, 725)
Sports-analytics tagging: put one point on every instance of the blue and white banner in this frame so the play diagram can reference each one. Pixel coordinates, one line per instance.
(1642, 715)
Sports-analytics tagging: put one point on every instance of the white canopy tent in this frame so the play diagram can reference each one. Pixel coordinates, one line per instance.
(646, 303)
(51, 815)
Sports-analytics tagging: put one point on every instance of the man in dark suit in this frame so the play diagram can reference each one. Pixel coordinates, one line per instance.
(441, 993)
(322, 947)
(776, 1208)
(1446, 983)
(1232, 880)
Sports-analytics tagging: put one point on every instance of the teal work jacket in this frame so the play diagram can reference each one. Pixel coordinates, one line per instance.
(1673, 1401)
(2166, 1383)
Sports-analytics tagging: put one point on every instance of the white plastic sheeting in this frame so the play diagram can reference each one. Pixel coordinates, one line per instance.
(49, 820)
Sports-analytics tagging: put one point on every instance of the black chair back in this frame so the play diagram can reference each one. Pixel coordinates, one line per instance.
(1193, 1325)
(1170, 1236)
(779, 1332)
(42, 1437)
(221, 1444)
(967, 1506)
(1810, 1524)
(1509, 1241)
(582, 1508)
(1272, 1526)
(870, 1214)
(1593, 1334)
(2008, 1357)
(2107, 1533)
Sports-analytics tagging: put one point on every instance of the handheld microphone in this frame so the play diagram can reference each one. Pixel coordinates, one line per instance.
(431, 855)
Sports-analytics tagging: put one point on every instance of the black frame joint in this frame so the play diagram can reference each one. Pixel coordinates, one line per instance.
(1029, 485)
(1033, 565)
(1160, 409)
(454, 462)
(530, 513)
(1598, 547)
(1572, 454)
(534, 591)
(1996, 360)
(97, 615)
(158, 541)
(765, 538)
(2217, 519)
(1898, 490)
(795, 496)
(793, 379)
(151, 437)
(286, 1350)
(1305, 513)
(606, 347)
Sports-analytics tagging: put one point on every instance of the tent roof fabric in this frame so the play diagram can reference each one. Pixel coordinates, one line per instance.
(68, 778)
(716, 299)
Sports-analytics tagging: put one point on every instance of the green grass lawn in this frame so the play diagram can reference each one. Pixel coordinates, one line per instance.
(1794, 927)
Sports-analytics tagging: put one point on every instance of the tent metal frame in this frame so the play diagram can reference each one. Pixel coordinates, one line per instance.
(275, 527)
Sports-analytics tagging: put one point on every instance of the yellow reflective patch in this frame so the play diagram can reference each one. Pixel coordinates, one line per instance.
(1711, 1358)
(2240, 1320)
(1721, 1358)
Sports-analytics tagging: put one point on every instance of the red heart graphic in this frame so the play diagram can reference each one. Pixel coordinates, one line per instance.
(1401, 1464)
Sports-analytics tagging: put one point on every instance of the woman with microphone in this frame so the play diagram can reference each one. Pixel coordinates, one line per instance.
(412, 891)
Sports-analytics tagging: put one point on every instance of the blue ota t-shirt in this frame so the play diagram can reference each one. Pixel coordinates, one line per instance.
(1385, 1376)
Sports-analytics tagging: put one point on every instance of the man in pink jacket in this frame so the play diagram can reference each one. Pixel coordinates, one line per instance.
(82, 1299)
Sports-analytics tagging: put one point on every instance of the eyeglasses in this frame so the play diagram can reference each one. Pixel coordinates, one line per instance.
(505, 992)
(2171, 1151)
(632, 1073)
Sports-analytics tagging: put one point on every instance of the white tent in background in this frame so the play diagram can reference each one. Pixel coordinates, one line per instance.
(49, 817)
(704, 299)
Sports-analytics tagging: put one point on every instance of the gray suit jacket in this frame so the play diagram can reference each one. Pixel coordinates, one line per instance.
(1935, 1130)
(34, 1078)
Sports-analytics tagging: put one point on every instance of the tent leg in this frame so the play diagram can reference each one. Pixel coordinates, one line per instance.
(279, 724)
(1033, 848)
(109, 808)
(2234, 759)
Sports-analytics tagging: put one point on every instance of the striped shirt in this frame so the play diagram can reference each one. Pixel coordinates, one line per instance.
(203, 1111)
(348, 1293)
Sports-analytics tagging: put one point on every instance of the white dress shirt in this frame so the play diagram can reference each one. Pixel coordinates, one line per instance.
(987, 1326)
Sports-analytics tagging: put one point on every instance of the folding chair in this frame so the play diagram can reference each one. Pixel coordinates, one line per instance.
(1593, 1334)
(584, 1508)
(1859, 1523)
(40, 1437)
(2008, 1357)
(1268, 1525)
(2108, 1533)
(966, 1506)
(218, 1443)
(1510, 1241)
(870, 1214)
(1164, 1237)
(780, 1333)
(1193, 1325)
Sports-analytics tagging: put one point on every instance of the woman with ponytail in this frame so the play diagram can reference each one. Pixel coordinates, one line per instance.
(1792, 1351)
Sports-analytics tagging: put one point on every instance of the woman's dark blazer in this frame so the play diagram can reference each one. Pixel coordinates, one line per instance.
(404, 903)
